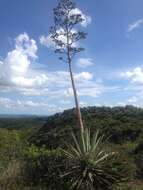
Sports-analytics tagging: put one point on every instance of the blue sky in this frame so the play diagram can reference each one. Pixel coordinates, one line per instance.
(109, 72)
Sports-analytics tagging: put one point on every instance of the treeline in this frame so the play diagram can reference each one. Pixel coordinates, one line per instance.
(119, 124)
(20, 122)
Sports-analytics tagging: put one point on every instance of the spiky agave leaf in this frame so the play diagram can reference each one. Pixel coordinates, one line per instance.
(89, 166)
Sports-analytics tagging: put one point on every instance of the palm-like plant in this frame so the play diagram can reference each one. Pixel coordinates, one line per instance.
(89, 166)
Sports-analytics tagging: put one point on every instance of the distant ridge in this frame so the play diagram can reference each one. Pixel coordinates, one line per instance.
(22, 116)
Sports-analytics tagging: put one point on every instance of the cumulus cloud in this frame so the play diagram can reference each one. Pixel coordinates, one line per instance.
(48, 42)
(85, 62)
(86, 19)
(26, 45)
(14, 68)
(135, 75)
(135, 86)
(59, 85)
(137, 24)
(17, 76)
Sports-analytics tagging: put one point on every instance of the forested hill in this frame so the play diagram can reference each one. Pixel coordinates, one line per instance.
(21, 121)
(121, 124)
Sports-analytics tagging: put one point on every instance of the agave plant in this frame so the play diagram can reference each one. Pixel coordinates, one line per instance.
(89, 166)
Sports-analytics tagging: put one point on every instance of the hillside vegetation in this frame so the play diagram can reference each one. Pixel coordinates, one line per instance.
(121, 125)
(28, 150)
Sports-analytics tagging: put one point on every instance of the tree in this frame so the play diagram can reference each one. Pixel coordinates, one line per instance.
(65, 37)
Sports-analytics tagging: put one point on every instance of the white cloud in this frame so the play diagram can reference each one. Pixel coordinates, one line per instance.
(14, 77)
(89, 89)
(30, 103)
(34, 107)
(83, 76)
(83, 104)
(136, 100)
(26, 45)
(25, 106)
(137, 24)
(86, 19)
(1, 63)
(15, 67)
(30, 82)
(135, 86)
(85, 62)
(39, 88)
(91, 92)
(65, 102)
(9, 103)
(133, 100)
(48, 42)
(59, 85)
(135, 76)
(5, 102)
(18, 77)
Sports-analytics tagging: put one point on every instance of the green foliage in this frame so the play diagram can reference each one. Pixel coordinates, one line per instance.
(121, 124)
(85, 164)
(89, 165)
(24, 166)
(39, 165)
(139, 163)
(21, 122)
(10, 146)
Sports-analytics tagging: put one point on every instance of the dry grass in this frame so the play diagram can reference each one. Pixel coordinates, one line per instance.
(11, 176)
